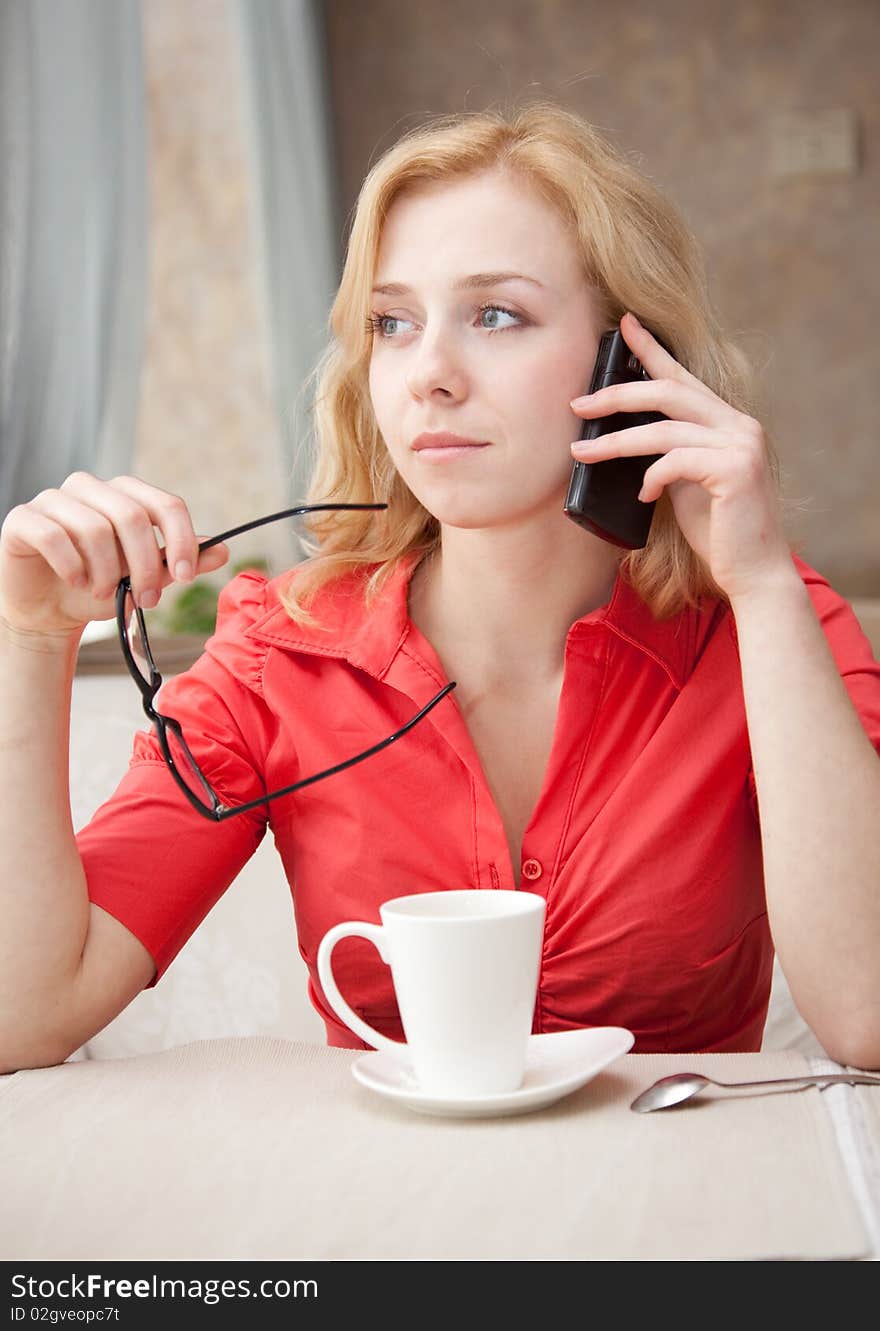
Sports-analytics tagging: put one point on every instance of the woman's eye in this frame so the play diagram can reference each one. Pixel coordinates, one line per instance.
(497, 310)
(490, 317)
(378, 323)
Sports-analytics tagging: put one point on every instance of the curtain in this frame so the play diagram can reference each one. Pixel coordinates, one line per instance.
(73, 238)
(282, 49)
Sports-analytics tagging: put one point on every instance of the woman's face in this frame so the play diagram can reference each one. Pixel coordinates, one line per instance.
(493, 360)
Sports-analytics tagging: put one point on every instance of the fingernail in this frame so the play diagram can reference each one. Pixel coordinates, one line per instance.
(633, 317)
(183, 570)
(149, 600)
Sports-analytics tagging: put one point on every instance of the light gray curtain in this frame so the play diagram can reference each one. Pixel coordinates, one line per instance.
(73, 240)
(294, 197)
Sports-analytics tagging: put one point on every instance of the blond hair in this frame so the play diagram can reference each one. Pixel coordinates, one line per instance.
(637, 253)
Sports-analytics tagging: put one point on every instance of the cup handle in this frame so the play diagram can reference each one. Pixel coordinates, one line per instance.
(375, 934)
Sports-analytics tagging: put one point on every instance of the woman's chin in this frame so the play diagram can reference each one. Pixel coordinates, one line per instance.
(485, 517)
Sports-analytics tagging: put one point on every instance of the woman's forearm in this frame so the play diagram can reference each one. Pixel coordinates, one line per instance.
(44, 907)
(818, 782)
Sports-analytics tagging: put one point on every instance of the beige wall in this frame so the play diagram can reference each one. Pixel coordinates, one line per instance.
(691, 88)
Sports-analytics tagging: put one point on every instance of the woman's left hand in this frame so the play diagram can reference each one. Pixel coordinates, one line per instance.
(714, 463)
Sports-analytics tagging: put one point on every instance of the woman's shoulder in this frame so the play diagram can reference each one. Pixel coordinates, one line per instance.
(243, 598)
(842, 626)
(834, 610)
(820, 589)
(253, 609)
(712, 623)
(252, 594)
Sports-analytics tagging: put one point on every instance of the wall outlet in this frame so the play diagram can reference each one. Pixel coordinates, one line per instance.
(814, 143)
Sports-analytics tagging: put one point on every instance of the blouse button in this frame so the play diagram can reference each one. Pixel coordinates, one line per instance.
(532, 869)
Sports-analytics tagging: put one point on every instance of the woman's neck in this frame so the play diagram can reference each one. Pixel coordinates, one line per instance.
(502, 600)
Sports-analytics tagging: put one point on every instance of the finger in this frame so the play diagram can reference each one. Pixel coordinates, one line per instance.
(170, 514)
(656, 359)
(213, 558)
(714, 469)
(91, 533)
(657, 437)
(132, 529)
(671, 397)
(30, 534)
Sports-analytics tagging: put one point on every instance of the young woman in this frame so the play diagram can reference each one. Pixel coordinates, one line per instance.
(674, 745)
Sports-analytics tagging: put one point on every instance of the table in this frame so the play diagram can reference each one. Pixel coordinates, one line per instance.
(257, 1148)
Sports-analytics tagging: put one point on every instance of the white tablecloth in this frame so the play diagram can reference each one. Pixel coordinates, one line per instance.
(262, 1149)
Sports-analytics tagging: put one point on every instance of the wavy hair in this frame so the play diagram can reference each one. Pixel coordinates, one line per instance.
(637, 253)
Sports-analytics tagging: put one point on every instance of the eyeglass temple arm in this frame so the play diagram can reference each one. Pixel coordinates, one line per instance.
(221, 814)
(125, 583)
(275, 517)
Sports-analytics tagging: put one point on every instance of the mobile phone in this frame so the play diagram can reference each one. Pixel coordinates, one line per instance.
(603, 496)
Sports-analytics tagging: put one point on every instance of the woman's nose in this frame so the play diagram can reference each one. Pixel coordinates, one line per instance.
(437, 367)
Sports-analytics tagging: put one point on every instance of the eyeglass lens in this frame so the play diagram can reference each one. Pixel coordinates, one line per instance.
(136, 642)
(186, 766)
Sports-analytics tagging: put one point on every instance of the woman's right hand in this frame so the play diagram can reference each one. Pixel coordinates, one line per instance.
(63, 554)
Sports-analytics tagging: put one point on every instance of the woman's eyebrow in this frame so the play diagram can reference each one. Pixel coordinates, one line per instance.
(476, 280)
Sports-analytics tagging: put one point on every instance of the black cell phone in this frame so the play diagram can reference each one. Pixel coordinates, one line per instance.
(603, 496)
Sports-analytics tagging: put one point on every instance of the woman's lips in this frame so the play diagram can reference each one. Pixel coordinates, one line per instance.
(434, 446)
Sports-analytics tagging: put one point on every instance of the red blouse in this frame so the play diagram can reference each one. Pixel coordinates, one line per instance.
(645, 839)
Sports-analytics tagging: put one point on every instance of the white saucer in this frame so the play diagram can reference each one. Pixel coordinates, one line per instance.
(556, 1065)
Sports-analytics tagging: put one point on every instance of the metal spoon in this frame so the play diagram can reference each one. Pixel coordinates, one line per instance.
(681, 1086)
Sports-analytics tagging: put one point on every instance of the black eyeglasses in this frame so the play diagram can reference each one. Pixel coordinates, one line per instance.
(189, 776)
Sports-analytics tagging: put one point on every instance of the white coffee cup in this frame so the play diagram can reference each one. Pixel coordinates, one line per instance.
(465, 967)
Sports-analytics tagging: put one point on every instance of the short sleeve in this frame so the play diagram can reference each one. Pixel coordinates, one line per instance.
(150, 859)
(852, 651)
